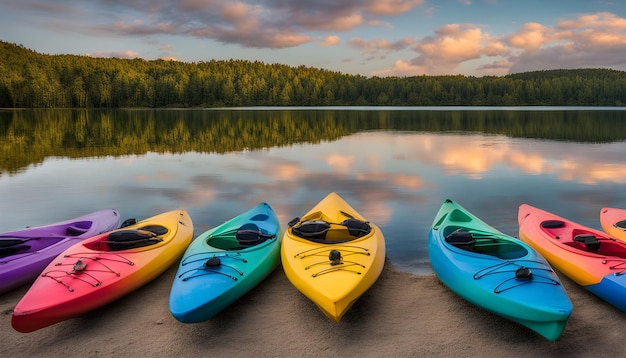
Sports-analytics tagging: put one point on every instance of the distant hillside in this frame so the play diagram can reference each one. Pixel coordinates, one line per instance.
(32, 80)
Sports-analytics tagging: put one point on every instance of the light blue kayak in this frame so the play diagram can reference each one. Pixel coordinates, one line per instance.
(224, 263)
(497, 272)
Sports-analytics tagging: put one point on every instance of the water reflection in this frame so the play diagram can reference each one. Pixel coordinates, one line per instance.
(392, 173)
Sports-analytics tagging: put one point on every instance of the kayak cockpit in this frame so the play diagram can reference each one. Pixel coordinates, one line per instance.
(247, 235)
(583, 240)
(485, 243)
(128, 239)
(598, 245)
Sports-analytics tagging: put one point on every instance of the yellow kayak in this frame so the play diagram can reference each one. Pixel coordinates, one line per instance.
(333, 255)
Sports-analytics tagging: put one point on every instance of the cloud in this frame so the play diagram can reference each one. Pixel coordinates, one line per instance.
(379, 48)
(271, 24)
(591, 40)
(444, 52)
(114, 54)
(392, 7)
(531, 37)
(330, 41)
(587, 41)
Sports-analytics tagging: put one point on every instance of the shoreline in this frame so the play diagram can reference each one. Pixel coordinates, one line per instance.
(402, 315)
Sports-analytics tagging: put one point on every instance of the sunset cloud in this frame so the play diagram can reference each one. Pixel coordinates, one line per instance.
(531, 37)
(444, 52)
(572, 43)
(262, 24)
(118, 54)
(330, 41)
(392, 7)
(369, 37)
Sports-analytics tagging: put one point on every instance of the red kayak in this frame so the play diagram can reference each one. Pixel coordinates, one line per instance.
(591, 258)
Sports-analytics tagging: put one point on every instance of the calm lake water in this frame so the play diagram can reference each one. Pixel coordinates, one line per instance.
(393, 165)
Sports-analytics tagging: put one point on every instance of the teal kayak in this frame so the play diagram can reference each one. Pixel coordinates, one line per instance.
(224, 263)
(496, 272)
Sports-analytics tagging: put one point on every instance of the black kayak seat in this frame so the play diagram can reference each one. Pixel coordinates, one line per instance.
(155, 229)
(591, 242)
(461, 239)
(357, 228)
(130, 239)
(250, 235)
(620, 224)
(314, 230)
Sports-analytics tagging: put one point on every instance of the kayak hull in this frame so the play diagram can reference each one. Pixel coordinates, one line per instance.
(217, 269)
(336, 270)
(497, 272)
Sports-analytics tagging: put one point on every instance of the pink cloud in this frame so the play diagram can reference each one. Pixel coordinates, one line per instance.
(600, 20)
(400, 68)
(114, 54)
(261, 24)
(392, 7)
(531, 37)
(330, 41)
(444, 52)
(590, 40)
(234, 11)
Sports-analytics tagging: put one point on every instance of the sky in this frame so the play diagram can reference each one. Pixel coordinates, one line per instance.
(360, 37)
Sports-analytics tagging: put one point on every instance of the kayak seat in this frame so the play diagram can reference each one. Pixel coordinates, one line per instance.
(461, 239)
(591, 242)
(620, 224)
(357, 228)
(250, 234)
(130, 239)
(314, 230)
(155, 229)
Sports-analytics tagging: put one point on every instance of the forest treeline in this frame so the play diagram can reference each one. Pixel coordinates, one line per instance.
(32, 80)
(29, 136)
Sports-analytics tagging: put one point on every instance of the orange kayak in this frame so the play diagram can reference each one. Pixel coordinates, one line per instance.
(589, 257)
(613, 222)
(103, 268)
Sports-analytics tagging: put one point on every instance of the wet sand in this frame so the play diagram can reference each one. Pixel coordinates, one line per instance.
(402, 315)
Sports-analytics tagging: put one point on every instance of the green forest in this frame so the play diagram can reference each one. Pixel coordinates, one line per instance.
(32, 80)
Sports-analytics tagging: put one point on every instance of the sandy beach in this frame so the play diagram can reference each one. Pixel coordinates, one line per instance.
(402, 315)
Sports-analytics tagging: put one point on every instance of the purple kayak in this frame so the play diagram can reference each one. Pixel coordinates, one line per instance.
(25, 253)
